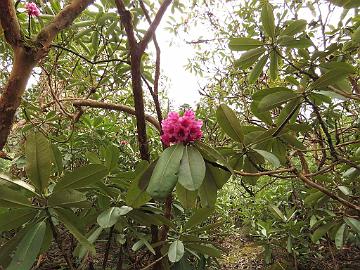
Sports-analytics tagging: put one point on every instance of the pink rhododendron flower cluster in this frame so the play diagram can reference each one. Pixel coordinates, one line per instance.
(181, 129)
(32, 9)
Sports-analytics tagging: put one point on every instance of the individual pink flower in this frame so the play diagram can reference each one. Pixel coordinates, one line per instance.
(124, 142)
(32, 9)
(181, 129)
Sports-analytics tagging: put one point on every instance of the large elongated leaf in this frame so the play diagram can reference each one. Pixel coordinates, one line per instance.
(331, 77)
(69, 198)
(275, 97)
(258, 68)
(17, 185)
(268, 20)
(353, 223)
(82, 177)
(136, 195)
(38, 160)
(186, 197)
(192, 169)
(205, 249)
(165, 174)
(71, 225)
(339, 237)
(12, 199)
(294, 27)
(269, 157)
(208, 191)
(229, 123)
(321, 231)
(248, 58)
(198, 217)
(298, 43)
(110, 216)
(28, 248)
(244, 44)
(92, 236)
(14, 218)
(274, 68)
(176, 251)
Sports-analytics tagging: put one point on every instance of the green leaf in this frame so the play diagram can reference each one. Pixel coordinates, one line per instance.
(258, 68)
(294, 27)
(112, 155)
(229, 123)
(345, 190)
(7, 249)
(18, 185)
(57, 158)
(110, 216)
(38, 160)
(207, 250)
(268, 20)
(192, 169)
(248, 58)
(321, 231)
(69, 199)
(12, 199)
(298, 43)
(244, 44)
(82, 177)
(339, 237)
(28, 248)
(208, 190)
(198, 217)
(330, 77)
(277, 212)
(269, 157)
(274, 97)
(136, 196)
(71, 225)
(14, 218)
(80, 251)
(186, 197)
(346, 3)
(176, 251)
(274, 69)
(165, 174)
(353, 223)
(355, 37)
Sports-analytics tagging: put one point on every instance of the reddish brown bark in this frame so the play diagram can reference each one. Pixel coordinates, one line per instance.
(26, 57)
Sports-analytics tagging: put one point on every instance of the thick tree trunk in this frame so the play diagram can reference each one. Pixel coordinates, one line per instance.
(24, 62)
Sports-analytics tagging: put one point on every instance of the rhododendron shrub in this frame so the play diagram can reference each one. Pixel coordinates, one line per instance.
(181, 129)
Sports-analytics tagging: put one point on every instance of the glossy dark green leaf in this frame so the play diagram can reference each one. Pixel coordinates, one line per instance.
(294, 27)
(321, 231)
(208, 191)
(353, 223)
(68, 198)
(269, 157)
(248, 58)
(57, 158)
(82, 177)
(257, 70)
(71, 225)
(110, 216)
(244, 44)
(38, 160)
(14, 218)
(186, 197)
(205, 249)
(192, 169)
(298, 43)
(17, 185)
(229, 123)
(274, 97)
(198, 217)
(28, 248)
(176, 251)
(12, 199)
(268, 20)
(330, 77)
(274, 68)
(339, 237)
(165, 174)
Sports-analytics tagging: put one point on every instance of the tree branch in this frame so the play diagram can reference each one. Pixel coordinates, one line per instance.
(115, 107)
(150, 32)
(10, 23)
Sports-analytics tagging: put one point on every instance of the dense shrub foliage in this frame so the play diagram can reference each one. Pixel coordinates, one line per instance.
(97, 171)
